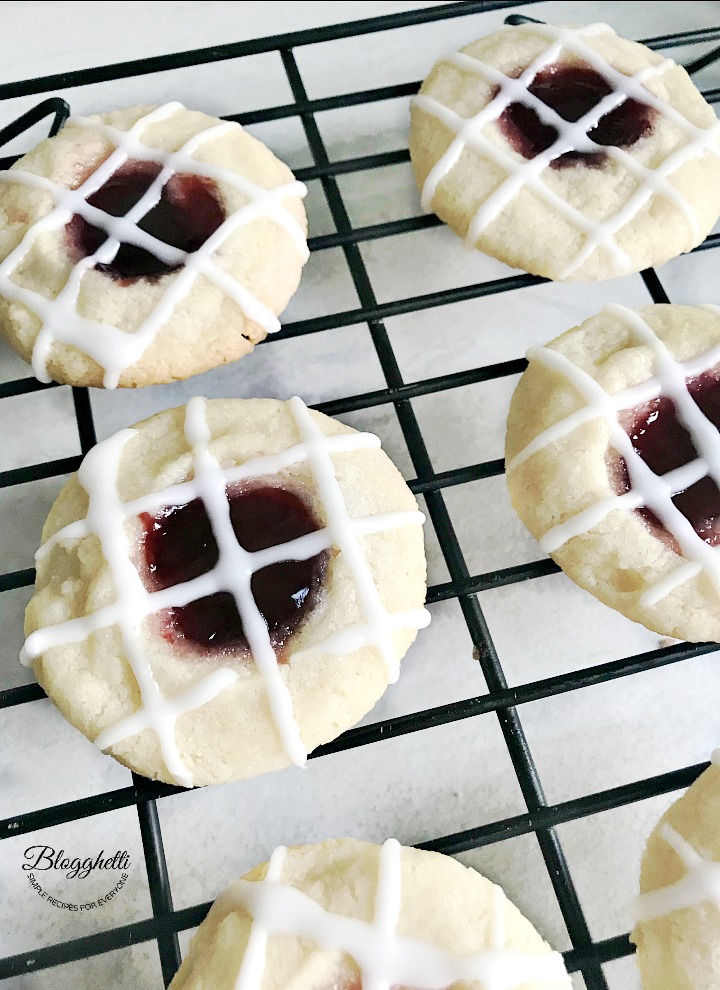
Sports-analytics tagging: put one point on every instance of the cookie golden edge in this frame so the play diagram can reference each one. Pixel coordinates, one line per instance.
(529, 234)
(442, 902)
(678, 949)
(206, 329)
(619, 559)
(233, 736)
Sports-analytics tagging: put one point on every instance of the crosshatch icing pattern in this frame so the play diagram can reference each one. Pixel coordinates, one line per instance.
(528, 172)
(385, 957)
(698, 887)
(112, 348)
(233, 572)
(647, 488)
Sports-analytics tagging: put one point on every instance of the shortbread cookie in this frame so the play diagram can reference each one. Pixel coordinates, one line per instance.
(225, 587)
(613, 462)
(346, 914)
(146, 245)
(678, 913)
(569, 153)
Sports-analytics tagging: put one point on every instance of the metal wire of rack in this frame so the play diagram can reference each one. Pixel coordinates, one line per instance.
(586, 956)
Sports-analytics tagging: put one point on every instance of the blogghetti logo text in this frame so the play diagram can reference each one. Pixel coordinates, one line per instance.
(45, 864)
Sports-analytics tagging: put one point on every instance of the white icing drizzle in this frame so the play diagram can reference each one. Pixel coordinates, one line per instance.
(378, 624)
(112, 348)
(254, 467)
(646, 488)
(385, 959)
(699, 885)
(234, 571)
(252, 966)
(388, 902)
(107, 516)
(527, 173)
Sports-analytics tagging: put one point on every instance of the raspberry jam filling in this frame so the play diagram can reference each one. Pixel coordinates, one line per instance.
(188, 212)
(572, 90)
(179, 545)
(664, 444)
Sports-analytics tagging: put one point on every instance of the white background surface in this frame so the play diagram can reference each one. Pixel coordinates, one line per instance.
(425, 784)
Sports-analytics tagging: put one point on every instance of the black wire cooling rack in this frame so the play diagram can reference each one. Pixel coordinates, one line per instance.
(586, 956)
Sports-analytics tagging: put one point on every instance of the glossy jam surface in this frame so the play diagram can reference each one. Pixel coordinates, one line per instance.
(187, 214)
(664, 444)
(572, 90)
(179, 545)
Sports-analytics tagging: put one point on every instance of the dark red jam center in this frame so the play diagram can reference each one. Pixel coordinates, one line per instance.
(664, 444)
(572, 90)
(179, 545)
(188, 212)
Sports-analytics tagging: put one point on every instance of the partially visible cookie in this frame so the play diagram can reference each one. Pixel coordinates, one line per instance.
(567, 152)
(226, 586)
(613, 462)
(146, 245)
(678, 913)
(348, 914)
